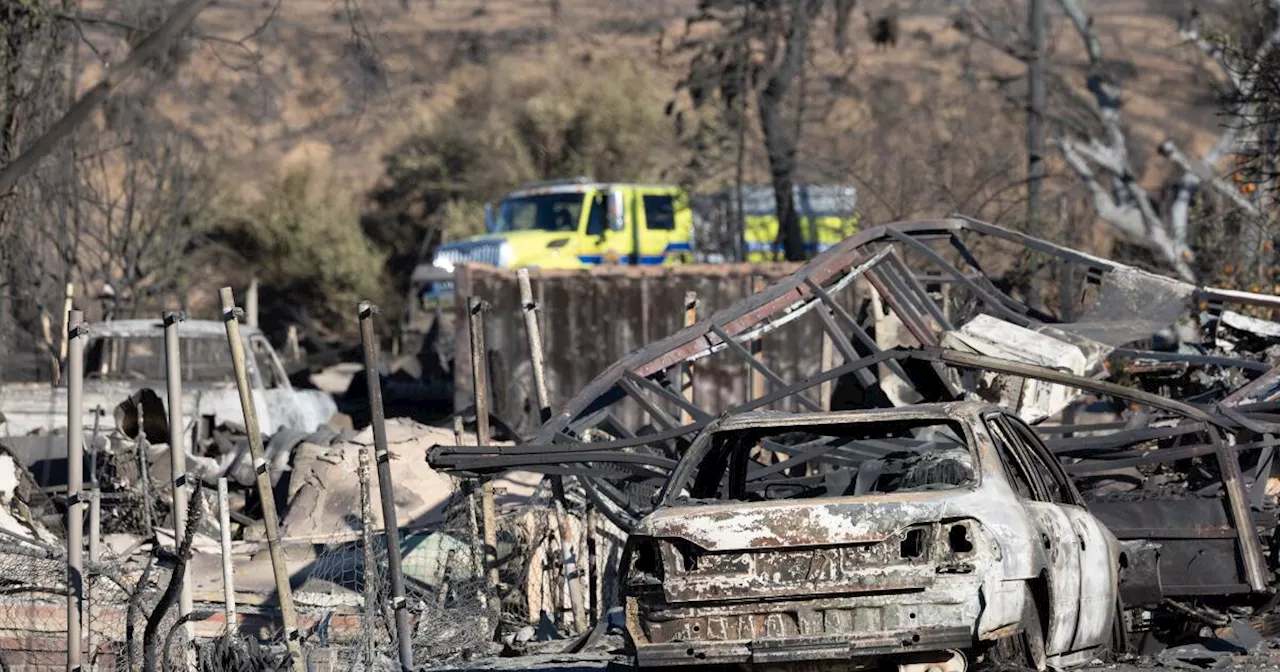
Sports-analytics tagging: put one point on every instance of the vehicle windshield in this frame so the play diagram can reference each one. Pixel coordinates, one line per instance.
(847, 460)
(204, 360)
(544, 212)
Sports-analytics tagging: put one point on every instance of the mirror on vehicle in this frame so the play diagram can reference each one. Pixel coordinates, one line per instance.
(489, 217)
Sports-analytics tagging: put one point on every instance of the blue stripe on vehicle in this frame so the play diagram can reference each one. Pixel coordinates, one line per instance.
(644, 261)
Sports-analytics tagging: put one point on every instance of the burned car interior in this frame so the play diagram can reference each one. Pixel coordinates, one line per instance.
(878, 457)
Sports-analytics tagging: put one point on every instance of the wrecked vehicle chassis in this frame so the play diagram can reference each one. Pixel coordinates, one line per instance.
(870, 570)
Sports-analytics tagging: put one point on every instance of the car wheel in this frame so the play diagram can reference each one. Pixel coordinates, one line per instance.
(1025, 649)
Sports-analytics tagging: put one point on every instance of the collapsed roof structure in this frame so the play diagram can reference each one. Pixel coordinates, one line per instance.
(1160, 397)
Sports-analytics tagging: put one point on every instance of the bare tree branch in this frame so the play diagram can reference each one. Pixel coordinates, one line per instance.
(150, 47)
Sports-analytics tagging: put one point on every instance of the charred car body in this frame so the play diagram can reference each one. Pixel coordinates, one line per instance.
(869, 534)
(127, 356)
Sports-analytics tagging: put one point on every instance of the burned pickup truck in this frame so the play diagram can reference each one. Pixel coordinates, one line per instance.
(125, 357)
(871, 536)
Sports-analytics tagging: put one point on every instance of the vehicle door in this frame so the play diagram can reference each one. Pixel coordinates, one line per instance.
(663, 236)
(608, 236)
(275, 395)
(1058, 539)
(1099, 573)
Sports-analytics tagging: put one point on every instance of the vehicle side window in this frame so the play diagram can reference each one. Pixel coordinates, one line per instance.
(1055, 479)
(271, 376)
(659, 212)
(1014, 468)
(596, 218)
(1047, 488)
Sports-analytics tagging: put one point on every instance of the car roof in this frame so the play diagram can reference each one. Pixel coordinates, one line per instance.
(952, 410)
(581, 188)
(155, 328)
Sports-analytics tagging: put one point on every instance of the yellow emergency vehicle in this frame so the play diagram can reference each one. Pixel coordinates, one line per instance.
(581, 223)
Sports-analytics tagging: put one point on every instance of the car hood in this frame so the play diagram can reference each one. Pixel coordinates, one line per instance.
(742, 526)
(535, 238)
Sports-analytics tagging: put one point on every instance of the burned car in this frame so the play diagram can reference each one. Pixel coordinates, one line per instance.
(928, 536)
(125, 357)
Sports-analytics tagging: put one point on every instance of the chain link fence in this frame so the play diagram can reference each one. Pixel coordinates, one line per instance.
(343, 596)
(119, 594)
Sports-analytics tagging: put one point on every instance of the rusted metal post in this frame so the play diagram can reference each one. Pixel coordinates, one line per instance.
(178, 460)
(386, 489)
(480, 381)
(288, 615)
(756, 379)
(370, 566)
(686, 372)
(1255, 570)
(532, 328)
(228, 569)
(828, 362)
(477, 546)
(75, 338)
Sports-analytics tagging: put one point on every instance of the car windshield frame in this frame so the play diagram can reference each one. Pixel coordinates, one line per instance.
(150, 357)
(546, 210)
(683, 476)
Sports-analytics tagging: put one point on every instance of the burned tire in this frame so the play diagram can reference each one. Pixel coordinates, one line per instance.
(1025, 649)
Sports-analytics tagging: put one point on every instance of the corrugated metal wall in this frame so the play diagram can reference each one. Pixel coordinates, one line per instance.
(590, 319)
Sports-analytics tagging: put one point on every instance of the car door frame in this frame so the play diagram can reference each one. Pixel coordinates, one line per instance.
(277, 402)
(653, 242)
(1098, 570)
(1059, 543)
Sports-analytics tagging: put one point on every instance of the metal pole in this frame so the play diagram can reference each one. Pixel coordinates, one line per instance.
(686, 374)
(228, 572)
(178, 460)
(366, 311)
(75, 336)
(367, 524)
(251, 304)
(755, 378)
(475, 311)
(574, 578)
(95, 554)
(288, 615)
(95, 531)
(477, 547)
(828, 362)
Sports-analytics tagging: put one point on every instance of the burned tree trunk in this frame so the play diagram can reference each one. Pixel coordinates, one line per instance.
(780, 141)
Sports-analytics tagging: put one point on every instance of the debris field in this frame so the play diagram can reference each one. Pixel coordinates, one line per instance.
(1069, 468)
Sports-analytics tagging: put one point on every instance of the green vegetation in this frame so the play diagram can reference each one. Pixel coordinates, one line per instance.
(509, 126)
(304, 243)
